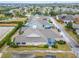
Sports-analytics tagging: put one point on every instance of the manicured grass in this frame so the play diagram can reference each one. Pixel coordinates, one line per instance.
(64, 47)
(65, 55)
(73, 35)
(58, 55)
(6, 55)
(26, 48)
(40, 55)
(2, 15)
(2, 47)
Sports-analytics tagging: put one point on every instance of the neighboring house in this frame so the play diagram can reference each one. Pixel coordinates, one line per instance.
(77, 31)
(76, 27)
(65, 18)
(76, 19)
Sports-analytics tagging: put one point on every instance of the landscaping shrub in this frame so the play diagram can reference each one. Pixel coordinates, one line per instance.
(61, 42)
(54, 46)
(49, 21)
(14, 45)
(69, 25)
(45, 46)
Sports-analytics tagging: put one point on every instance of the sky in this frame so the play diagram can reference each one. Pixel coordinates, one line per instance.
(39, 1)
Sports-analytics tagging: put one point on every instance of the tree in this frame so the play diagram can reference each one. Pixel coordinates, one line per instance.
(54, 46)
(46, 13)
(8, 14)
(9, 42)
(52, 13)
(69, 25)
(49, 21)
(14, 45)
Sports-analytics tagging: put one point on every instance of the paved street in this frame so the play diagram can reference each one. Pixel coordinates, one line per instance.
(71, 42)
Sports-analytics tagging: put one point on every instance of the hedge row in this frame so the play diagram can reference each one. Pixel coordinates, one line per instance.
(9, 35)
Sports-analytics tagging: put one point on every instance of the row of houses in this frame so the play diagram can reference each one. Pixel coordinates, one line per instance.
(70, 18)
(76, 27)
(65, 18)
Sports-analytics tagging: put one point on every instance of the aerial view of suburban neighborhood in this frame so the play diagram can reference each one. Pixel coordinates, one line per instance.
(44, 30)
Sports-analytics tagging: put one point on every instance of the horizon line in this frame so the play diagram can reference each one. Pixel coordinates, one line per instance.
(39, 2)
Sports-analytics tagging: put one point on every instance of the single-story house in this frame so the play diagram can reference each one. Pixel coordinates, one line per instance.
(38, 24)
(24, 40)
(34, 33)
(76, 27)
(65, 18)
(76, 19)
(32, 37)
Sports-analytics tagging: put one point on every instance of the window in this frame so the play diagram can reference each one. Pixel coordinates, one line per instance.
(23, 43)
(18, 43)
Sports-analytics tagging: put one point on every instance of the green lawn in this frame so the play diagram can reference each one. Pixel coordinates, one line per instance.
(6, 55)
(73, 35)
(58, 55)
(2, 47)
(39, 54)
(65, 55)
(64, 47)
(70, 32)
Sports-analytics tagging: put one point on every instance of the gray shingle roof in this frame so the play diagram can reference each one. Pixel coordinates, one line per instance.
(29, 39)
(43, 35)
(66, 17)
